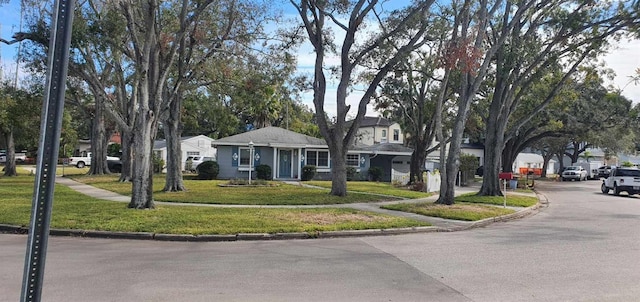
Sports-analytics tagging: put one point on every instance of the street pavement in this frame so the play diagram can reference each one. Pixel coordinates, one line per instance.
(583, 247)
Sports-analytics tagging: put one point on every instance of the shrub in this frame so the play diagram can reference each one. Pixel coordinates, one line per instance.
(208, 170)
(351, 173)
(263, 172)
(114, 150)
(418, 186)
(188, 166)
(308, 172)
(375, 173)
(397, 183)
(469, 163)
(158, 164)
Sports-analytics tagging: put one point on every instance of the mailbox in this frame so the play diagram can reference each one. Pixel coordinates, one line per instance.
(505, 175)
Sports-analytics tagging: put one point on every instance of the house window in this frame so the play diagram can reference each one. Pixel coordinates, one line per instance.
(318, 158)
(244, 156)
(193, 153)
(384, 133)
(353, 160)
(396, 134)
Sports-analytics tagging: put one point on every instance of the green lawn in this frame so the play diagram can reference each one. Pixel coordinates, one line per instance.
(374, 187)
(208, 191)
(458, 211)
(513, 200)
(72, 210)
(468, 207)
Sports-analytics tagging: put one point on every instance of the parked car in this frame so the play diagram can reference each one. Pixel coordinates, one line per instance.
(82, 161)
(574, 173)
(20, 157)
(622, 180)
(197, 160)
(604, 171)
(115, 166)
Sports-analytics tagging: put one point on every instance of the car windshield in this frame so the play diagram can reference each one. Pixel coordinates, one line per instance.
(573, 168)
(629, 172)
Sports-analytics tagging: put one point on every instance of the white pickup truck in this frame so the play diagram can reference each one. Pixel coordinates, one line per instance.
(81, 161)
(20, 157)
(622, 180)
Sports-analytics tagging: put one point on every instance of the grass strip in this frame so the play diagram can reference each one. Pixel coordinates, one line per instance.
(458, 211)
(513, 200)
(72, 210)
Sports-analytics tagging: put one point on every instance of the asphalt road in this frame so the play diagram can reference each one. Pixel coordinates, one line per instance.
(584, 247)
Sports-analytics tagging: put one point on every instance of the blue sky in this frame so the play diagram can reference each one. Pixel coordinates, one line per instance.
(9, 21)
(624, 60)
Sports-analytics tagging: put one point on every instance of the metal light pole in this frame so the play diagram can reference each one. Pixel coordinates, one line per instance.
(250, 159)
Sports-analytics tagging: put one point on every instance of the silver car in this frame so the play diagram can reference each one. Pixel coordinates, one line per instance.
(574, 173)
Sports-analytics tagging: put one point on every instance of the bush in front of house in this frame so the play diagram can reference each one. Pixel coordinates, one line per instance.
(352, 172)
(375, 173)
(263, 172)
(208, 170)
(469, 163)
(158, 164)
(308, 172)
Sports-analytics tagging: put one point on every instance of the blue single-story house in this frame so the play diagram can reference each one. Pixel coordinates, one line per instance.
(286, 152)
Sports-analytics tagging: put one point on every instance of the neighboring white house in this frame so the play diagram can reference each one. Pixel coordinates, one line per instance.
(191, 146)
(432, 162)
(532, 161)
(378, 130)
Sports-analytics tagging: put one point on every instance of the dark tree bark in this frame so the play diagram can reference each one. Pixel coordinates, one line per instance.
(172, 132)
(10, 164)
(546, 157)
(126, 157)
(99, 140)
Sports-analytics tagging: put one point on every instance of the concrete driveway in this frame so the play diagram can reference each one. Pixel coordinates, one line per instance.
(584, 247)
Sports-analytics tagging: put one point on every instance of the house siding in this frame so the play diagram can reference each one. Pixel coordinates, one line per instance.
(229, 167)
(390, 136)
(373, 135)
(226, 163)
(384, 162)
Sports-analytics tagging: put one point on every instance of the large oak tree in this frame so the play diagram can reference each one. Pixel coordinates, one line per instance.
(407, 27)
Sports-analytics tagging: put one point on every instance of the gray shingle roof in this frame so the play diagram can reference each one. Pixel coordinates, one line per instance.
(386, 148)
(271, 136)
(374, 121)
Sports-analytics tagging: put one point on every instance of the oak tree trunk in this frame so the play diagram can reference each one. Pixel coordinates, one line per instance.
(494, 146)
(10, 163)
(125, 158)
(142, 173)
(172, 131)
(99, 141)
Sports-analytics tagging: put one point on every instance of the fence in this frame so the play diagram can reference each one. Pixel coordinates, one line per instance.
(399, 177)
(431, 180)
